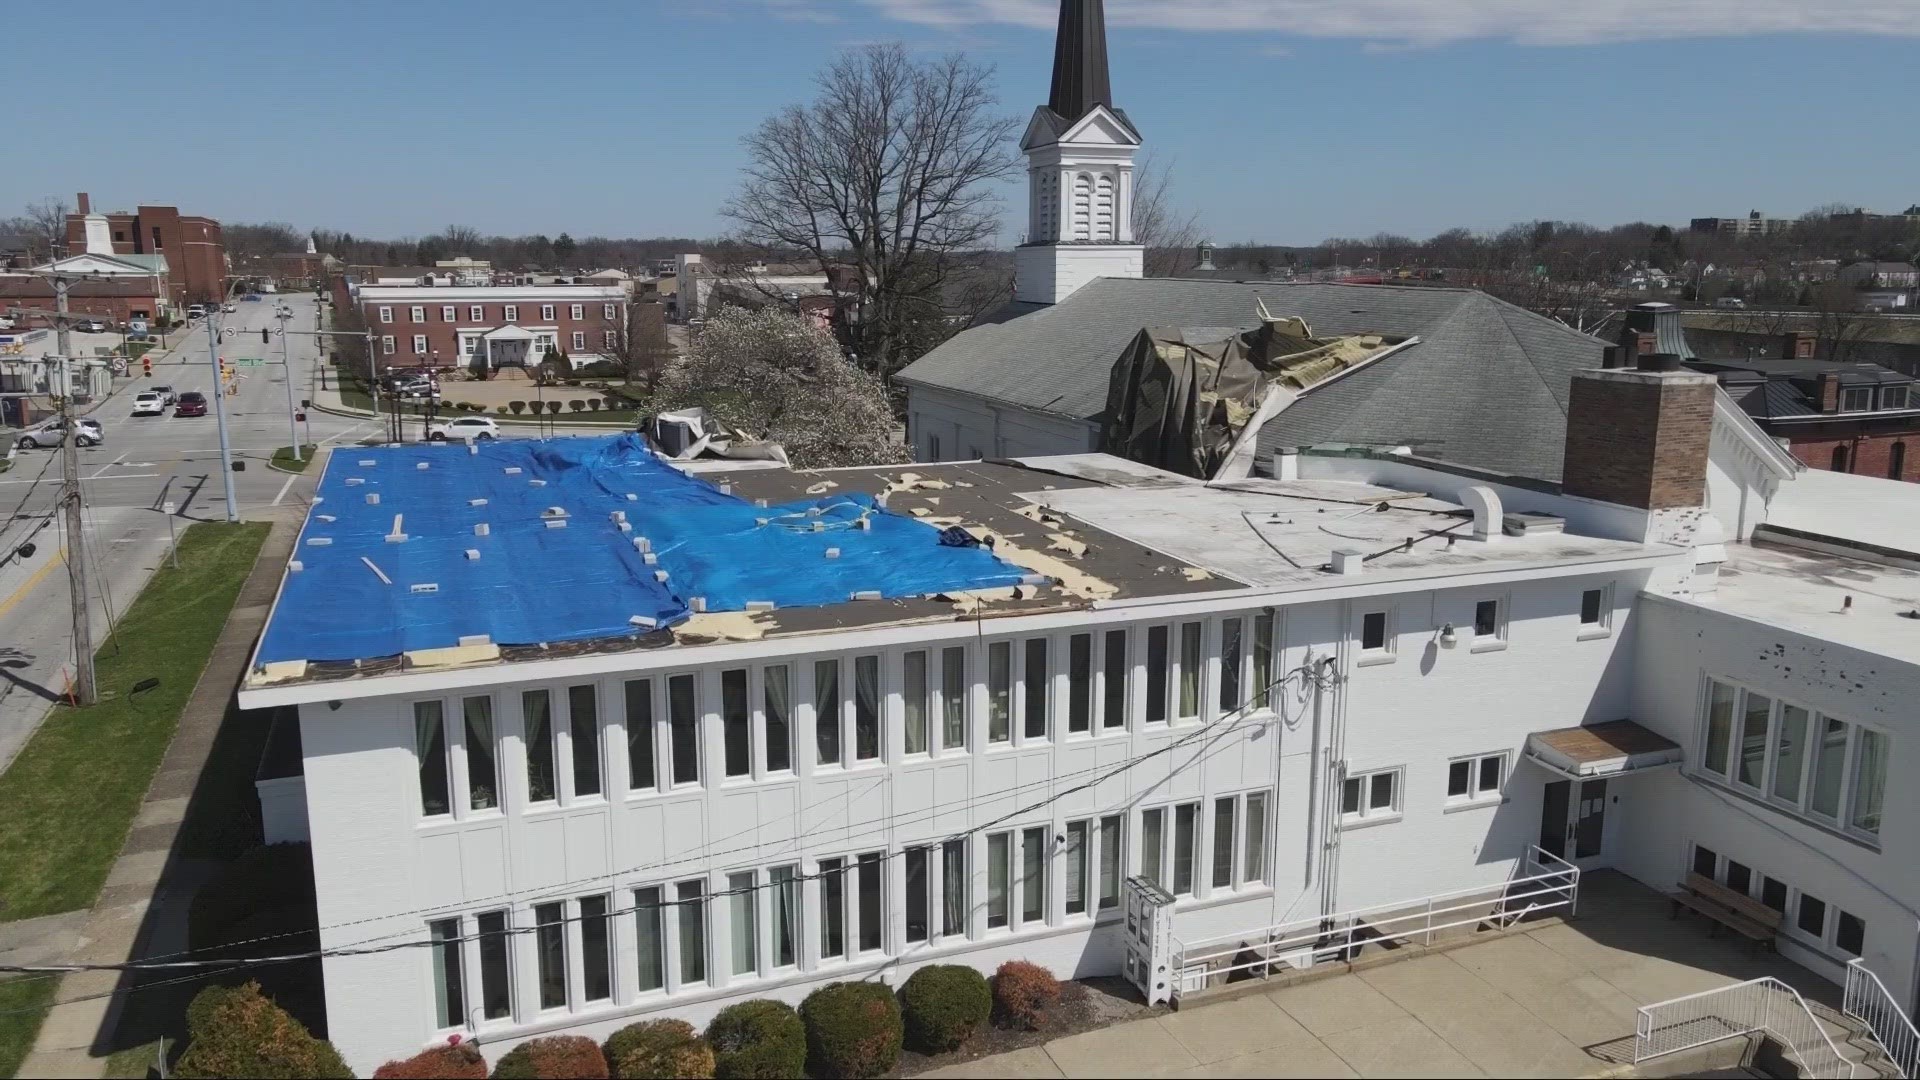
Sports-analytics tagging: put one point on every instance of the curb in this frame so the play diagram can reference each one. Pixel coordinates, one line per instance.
(362, 414)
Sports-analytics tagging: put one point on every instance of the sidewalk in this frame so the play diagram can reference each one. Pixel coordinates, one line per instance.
(142, 910)
(1557, 1001)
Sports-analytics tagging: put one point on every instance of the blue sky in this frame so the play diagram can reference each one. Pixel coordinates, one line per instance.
(1285, 120)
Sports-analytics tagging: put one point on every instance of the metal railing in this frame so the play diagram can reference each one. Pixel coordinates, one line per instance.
(1868, 1001)
(1758, 1005)
(1542, 882)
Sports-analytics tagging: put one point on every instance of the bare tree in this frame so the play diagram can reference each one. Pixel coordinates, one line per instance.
(888, 172)
(1169, 233)
(462, 240)
(48, 220)
(641, 348)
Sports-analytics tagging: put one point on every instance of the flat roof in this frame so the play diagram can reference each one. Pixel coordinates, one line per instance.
(1808, 592)
(1862, 510)
(488, 292)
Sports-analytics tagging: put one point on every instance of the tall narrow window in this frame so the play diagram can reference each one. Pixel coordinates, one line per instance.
(1189, 670)
(596, 949)
(742, 906)
(1869, 780)
(430, 742)
(1262, 660)
(692, 898)
(483, 754)
(496, 980)
(1230, 666)
(1829, 765)
(1849, 932)
(1035, 678)
(953, 888)
(1255, 866)
(640, 768)
(1720, 702)
(999, 875)
(1790, 755)
(1223, 814)
(919, 894)
(550, 952)
(779, 706)
(1897, 461)
(1153, 845)
(683, 722)
(1158, 660)
(583, 724)
(1812, 917)
(1753, 739)
(999, 691)
(1077, 867)
(735, 722)
(913, 693)
(449, 1001)
(866, 707)
(953, 698)
(833, 908)
(1113, 704)
(1112, 859)
(536, 709)
(650, 937)
(1186, 824)
(786, 914)
(826, 710)
(1033, 875)
(1080, 683)
(872, 907)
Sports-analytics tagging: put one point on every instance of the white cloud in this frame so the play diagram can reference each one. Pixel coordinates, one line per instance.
(1439, 22)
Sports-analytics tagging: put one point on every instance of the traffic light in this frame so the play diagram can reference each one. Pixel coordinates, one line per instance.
(266, 336)
(146, 367)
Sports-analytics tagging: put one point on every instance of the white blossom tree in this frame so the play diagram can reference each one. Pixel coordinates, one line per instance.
(777, 376)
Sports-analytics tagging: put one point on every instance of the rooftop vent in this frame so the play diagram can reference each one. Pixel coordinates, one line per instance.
(1531, 523)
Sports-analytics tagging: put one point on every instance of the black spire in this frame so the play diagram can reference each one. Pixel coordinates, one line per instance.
(1080, 60)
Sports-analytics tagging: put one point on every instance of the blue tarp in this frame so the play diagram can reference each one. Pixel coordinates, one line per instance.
(535, 583)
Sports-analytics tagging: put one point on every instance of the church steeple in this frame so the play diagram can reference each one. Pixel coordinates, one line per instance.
(1080, 60)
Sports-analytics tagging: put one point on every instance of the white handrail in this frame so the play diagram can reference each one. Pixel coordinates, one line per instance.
(1868, 1001)
(1762, 1004)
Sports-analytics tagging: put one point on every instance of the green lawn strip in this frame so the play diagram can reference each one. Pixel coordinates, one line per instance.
(23, 1005)
(133, 1063)
(284, 461)
(72, 794)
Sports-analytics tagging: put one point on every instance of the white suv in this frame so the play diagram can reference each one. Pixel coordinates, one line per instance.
(463, 427)
(149, 403)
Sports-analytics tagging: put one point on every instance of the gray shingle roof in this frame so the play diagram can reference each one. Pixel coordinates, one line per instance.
(1486, 386)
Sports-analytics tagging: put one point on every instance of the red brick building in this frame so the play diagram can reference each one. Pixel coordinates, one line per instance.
(112, 301)
(194, 247)
(1845, 417)
(486, 328)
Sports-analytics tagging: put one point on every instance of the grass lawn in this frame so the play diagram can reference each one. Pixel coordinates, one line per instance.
(71, 795)
(133, 1063)
(283, 458)
(23, 1004)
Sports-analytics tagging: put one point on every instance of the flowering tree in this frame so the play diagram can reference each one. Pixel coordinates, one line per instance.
(778, 376)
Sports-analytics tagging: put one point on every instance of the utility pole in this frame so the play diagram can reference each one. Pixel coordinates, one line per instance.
(84, 690)
(220, 414)
(283, 312)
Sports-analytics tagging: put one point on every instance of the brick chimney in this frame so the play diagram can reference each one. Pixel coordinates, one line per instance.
(86, 204)
(1829, 392)
(1639, 436)
(1797, 345)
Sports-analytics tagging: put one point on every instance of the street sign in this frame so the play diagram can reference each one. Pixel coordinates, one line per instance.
(250, 361)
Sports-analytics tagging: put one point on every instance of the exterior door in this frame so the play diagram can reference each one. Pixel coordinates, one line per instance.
(1553, 817)
(1573, 822)
(1590, 820)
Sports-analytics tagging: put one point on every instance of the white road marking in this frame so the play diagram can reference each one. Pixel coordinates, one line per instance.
(55, 480)
(283, 490)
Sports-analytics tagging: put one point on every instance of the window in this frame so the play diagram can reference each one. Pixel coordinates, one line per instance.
(609, 340)
(577, 311)
(735, 722)
(1706, 862)
(743, 932)
(579, 341)
(1223, 816)
(550, 953)
(1803, 762)
(483, 754)
(914, 695)
(1812, 916)
(496, 982)
(583, 726)
(386, 314)
(1828, 768)
(999, 874)
(1849, 933)
(1856, 398)
(1773, 893)
(1262, 660)
(1034, 690)
(1838, 462)
(1080, 683)
(872, 906)
(1752, 760)
(954, 888)
(1078, 855)
(1033, 875)
(447, 313)
(650, 939)
(919, 894)
(1893, 397)
(417, 314)
(1790, 752)
(420, 344)
(683, 723)
(1373, 631)
(596, 949)
(1186, 834)
(1897, 461)
(953, 698)
(826, 711)
(866, 707)
(1112, 859)
(1476, 779)
(785, 892)
(692, 915)
(833, 909)
(1593, 608)
(1153, 845)
(1113, 688)
(1739, 877)
(477, 312)
(609, 312)
(1230, 666)
(1370, 796)
(1254, 868)
(1158, 662)
(641, 773)
(449, 1003)
(1486, 620)
(776, 707)
(536, 711)
(1189, 670)
(511, 312)
(1869, 780)
(546, 312)
(1720, 702)
(430, 743)
(999, 691)
(387, 344)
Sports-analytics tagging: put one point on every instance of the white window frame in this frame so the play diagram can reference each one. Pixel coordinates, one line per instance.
(386, 344)
(1903, 390)
(577, 311)
(1802, 806)
(1476, 794)
(1241, 881)
(1497, 640)
(419, 344)
(448, 312)
(610, 312)
(510, 313)
(546, 312)
(610, 339)
(386, 314)
(1367, 814)
(417, 313)
(1389, 648)
(469, 343)
(1853, 392)
(1604, 627)
(477, 312)
(579, 341)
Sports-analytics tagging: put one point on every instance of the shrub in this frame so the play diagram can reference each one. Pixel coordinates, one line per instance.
(500, 409)
(659, 1048)
(573, 382)
(758, 1040)
(552, 407)
(1023, 992)
(236, 1031)
(577, 405)
(593, 403)
(553, 1057)
(853, 1029)
(943, 1004)
(518, 407)
(456, 1061)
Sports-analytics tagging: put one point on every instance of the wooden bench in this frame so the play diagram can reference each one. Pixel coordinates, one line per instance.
(1737, 911)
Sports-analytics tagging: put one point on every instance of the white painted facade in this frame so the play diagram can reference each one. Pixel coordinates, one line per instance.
(1079, 206)
(947, 426)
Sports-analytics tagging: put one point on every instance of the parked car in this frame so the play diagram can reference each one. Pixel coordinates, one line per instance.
(249, 296)
(148, 403)
(229, 307)
(463, 427)
(191, 403)
(91, 326)
(54, 432)
(6, 322)
(196, 311)
(165, 392)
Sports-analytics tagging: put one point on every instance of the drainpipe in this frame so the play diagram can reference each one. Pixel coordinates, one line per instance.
(1330, 668)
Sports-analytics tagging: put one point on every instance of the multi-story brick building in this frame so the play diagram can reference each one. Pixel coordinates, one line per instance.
(485, 328)
(194, 247)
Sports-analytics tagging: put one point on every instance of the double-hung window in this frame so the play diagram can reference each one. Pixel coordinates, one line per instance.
(417, 313)
(1370, 796)
(579, 340)
(511, 312)
(577, 311)
(420, 344)
(650, 936)
(1036, 680)
(546, 312)
(610, 312)
(447, 313)
(1476, 779)
(609, 339)
(1856, 399)
(386, 314)
(683, 729)
(477, 312)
